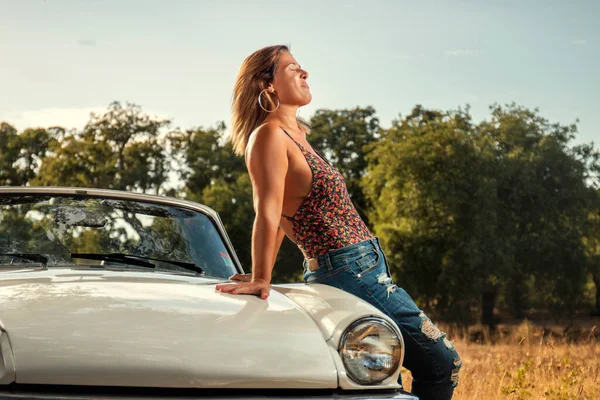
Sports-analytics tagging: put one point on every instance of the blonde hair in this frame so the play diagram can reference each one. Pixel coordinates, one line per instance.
(255, 75)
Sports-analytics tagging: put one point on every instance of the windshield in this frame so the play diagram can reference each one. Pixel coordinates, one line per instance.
(57, 227)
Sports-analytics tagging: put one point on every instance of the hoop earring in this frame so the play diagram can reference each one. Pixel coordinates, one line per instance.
(260, 102)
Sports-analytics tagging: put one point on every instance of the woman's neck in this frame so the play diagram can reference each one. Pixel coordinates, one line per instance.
(286, 117)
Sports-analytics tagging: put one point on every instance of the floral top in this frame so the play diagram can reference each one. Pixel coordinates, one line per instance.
(326, 219)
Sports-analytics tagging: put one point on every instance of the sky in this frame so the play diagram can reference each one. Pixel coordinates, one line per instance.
(60, 60)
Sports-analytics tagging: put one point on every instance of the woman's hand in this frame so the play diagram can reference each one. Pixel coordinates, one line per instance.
(257, 287)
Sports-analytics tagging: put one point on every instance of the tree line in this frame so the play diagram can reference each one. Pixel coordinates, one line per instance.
(499, 214)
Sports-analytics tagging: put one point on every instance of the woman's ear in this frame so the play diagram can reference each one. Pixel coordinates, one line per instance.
(268, 87)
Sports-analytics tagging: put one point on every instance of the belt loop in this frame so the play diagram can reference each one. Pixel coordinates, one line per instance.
(327, 261)
(374, 243)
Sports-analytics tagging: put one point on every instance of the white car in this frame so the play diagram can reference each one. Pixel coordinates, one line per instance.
(112, 294)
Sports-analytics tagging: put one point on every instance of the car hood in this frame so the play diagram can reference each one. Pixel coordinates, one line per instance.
(102, 327)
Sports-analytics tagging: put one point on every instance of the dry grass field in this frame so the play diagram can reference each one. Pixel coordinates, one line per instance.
(529, 363)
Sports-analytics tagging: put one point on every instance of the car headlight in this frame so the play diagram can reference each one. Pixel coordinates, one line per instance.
(371, 350)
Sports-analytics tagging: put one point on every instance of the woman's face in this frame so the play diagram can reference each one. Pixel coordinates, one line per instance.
(290, 82)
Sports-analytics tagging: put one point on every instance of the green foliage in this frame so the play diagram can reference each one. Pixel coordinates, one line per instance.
(233, 202)
(21, 154)
(466, 209)
(206, 157)
(120, 149)
(542, 198)
(432, 208)
(80, 161)
(591, 242)
(520, 387)
(569, 386)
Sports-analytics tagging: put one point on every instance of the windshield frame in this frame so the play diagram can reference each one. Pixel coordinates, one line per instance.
(9, 191)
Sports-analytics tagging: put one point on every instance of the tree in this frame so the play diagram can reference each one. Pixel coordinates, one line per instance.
(473, 213)
(543, 203)
(424, 184)
(592, 247)
(78, 160)
(120, 149)
(206, 157)
(21, 154)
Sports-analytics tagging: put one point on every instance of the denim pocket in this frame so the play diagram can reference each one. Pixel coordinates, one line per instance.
(321, 275)
(364, 263)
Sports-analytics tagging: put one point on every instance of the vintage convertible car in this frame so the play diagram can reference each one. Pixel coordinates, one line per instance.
(112, 294)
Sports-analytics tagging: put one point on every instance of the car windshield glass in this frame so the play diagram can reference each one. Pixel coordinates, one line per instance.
(56, 227)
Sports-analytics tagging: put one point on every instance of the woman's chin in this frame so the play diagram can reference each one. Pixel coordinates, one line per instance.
(300, 101)
(306, 100)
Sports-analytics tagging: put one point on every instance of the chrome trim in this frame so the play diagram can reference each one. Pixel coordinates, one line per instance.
(76, 393)
(382, 322)
(124, 195)
(7, 360)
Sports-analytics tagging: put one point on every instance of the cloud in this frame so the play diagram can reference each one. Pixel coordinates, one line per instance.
(464, 52)
(67, 117)
(74, 117)
(404, 56)
(579, 41)
(86, 42)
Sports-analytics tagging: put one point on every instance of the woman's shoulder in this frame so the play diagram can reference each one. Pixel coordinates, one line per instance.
(266, 137)
(267, 133)
(267, 129)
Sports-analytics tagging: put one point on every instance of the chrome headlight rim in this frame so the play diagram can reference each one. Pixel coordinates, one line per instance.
(350, 328)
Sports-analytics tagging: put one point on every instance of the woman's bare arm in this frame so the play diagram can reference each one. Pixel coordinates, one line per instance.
(248, 277)
(267, 165)
(280, 236)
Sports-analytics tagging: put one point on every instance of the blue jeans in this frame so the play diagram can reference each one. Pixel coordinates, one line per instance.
(362, 270)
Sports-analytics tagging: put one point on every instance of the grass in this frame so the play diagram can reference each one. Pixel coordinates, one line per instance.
(527, 363)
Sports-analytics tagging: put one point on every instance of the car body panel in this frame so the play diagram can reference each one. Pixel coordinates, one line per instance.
(98, 327)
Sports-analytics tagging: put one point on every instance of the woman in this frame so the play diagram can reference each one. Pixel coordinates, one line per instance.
(299, 194)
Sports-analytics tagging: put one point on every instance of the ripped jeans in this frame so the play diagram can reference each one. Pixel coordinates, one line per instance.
(362, 270)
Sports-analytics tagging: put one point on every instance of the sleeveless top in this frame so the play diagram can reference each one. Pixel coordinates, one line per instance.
(326, 219)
